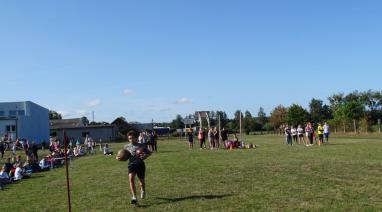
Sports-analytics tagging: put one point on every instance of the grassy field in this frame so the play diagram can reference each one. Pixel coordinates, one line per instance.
(342, 176)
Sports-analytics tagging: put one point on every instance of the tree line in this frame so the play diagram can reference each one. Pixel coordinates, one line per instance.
(352, 112)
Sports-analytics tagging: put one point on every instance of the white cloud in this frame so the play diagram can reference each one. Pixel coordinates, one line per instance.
(93, 103)
(127, 92)
(82, 112)
(183, 100)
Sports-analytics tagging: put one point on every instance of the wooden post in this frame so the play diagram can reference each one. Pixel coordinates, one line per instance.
(379, 125)
(200, 121)
(219, 132)
(355, 126)
(241, 138)
(67, 171)
(208, 121)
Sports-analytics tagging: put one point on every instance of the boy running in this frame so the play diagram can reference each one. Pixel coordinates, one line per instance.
(136, 165)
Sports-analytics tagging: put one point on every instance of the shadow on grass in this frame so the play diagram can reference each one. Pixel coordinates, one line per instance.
(193, 197)
(167, 151)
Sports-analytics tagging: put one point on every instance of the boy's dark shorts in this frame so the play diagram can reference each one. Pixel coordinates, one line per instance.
(139, 169)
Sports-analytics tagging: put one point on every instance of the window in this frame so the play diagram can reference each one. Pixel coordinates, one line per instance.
(10, 128)
(2, 113)
(21, 112)
(12, 112)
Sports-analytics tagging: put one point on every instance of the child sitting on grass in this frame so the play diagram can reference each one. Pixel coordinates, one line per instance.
(20, 174)
(106, 150)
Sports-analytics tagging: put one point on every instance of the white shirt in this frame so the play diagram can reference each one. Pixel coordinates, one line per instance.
(106, 151)
(18, 173)
(294, 131)
(326, 128)
(300, 131)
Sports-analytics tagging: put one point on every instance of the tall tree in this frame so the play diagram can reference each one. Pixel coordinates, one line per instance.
(238, 113)
(54, 115)
(297, 115)
(278, 116)
(223, 118)
(318, 111)
(354, 110)
(177, 123)
(262, 117)
(248, 122)
(122, 125)
(336, 100)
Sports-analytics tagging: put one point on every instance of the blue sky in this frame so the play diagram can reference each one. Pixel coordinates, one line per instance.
(155, 59)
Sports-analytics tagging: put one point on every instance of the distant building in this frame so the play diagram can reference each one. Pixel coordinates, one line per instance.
(76, 129)
(25, 120)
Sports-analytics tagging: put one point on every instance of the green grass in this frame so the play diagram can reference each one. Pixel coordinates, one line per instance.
(342, 176)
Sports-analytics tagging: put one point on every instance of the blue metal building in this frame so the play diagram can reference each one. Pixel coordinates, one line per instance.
(25, 120)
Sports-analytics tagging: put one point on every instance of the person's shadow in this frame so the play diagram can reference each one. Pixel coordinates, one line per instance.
(192, 197)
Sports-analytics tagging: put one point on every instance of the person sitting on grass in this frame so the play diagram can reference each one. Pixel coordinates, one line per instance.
(44, 164)
(7, 165)
(106, 150)
(79, 151)
(4, 179)
(17, 161)
(30, 166)
(234, 143)
(20, 173)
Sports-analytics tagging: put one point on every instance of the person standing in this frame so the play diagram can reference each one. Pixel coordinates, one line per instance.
(320, 132)
(294, 134)
(211, 140)
(190, 135)
(26, 147)
(14, 147)
(309, 131)
(155, 145)
(326, 132)
(216, 138)
(202, 139)
(224, 136)
(300, 134)
(288, 135)
(34, 150)
(2, 149)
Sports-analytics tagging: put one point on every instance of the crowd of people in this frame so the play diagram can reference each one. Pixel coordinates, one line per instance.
(213, 140)
(307, 136)
(149, 139)
(15, 169)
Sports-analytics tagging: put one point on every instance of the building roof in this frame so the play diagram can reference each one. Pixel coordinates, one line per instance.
(66, 123)
(76, 123)
(83, 127)
(8, 118)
